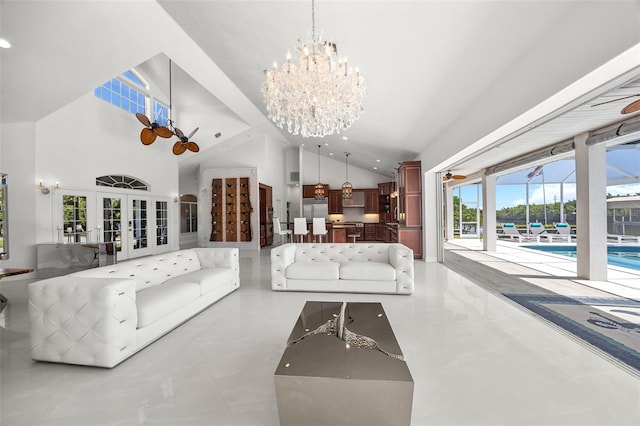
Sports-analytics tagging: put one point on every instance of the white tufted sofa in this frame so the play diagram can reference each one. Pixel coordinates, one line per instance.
(102, 316)
(343, 267)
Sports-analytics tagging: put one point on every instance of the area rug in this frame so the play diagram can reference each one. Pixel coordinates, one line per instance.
(611, 324)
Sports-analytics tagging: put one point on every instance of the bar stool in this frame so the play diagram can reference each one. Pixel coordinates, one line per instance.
(353, 234)
(319, 227)
(282, 232)
(300, 228)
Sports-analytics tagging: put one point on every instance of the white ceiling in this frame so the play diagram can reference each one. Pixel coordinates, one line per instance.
(441, 76)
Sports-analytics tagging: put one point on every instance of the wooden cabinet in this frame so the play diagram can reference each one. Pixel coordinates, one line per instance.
(370, 200)
(338, 235)
(335, 201)
(386, 203)
(410, 194)
(410, 206)
(380, 232)
(412, 238)
(309, 191)
(370, 231)
(385, 188)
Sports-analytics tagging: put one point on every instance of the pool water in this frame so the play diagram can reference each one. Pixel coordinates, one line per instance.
(617, 255)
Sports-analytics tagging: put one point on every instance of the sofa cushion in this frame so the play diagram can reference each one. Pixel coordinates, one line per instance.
(373, 271)
(157, 301)
(317, 270)
(149, 271)
(208, 279)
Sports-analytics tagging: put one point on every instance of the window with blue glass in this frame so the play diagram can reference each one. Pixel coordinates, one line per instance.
(122, 95)
(160, 113)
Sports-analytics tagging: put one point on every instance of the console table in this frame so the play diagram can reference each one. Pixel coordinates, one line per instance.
(329, 375)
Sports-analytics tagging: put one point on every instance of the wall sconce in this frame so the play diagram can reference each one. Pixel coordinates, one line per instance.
(176, 199)
(45, 190)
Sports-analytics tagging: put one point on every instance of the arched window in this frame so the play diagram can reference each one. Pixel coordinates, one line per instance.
(122, 181)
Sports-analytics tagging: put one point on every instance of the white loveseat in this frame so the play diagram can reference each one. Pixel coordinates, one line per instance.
(104, 315)
(343, 267)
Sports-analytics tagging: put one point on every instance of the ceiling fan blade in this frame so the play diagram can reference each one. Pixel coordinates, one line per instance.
(143, 119)
(632, 107)
(616, 100)
(193, 147)
(163, 132)
(147, 136)
(179, 148)
(193, 132)
(179, 133)
(458, 177)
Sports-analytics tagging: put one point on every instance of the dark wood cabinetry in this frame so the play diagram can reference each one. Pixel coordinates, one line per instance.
(386, 203)
(309, 191)
(266, 214)
(370, 200)
(410, 206)
(370, 231)
(335, 201)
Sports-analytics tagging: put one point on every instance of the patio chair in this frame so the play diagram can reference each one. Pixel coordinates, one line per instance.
(563, 231)
(623, 238)
(509, 230)
(538, 231)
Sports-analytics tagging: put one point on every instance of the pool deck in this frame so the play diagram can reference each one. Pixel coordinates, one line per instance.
(621, 281)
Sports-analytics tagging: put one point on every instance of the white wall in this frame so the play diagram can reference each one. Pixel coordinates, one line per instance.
(17, 147)
(85, 139)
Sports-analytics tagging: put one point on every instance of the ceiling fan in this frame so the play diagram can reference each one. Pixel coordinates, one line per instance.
(184, 143)
(449, 177)
(151, 130)
(631, 108)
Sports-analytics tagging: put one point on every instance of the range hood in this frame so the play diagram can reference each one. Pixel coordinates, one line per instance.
(357, 200)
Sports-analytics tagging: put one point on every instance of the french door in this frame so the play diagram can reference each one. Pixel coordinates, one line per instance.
(137, 225)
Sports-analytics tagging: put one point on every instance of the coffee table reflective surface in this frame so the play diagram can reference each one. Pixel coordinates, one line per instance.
(337, 376)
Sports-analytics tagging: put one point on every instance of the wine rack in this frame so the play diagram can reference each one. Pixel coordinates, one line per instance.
(231, 207)
(231, 210)
(245, 210)
(216, 210)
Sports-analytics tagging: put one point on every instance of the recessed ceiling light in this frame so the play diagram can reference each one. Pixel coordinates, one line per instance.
(4, 44)
(326, 144)
(301, 144)
(375, 168)
(331, 153)
(344, 138)
(377, 161)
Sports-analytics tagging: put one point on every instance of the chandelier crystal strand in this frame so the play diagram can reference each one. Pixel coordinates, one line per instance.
(347, 188)
(319, 95)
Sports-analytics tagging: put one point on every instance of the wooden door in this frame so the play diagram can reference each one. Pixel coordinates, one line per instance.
(266, 215)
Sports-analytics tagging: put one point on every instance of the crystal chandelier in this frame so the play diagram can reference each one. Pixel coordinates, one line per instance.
(317, 96)
(347, 188)
(319, 188)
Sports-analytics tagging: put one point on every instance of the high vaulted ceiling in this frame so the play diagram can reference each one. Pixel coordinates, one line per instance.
(444, 78)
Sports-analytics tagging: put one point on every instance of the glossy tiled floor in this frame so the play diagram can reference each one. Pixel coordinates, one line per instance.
(475, 358)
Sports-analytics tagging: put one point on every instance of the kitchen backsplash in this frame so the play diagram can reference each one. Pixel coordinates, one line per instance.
(354, 215)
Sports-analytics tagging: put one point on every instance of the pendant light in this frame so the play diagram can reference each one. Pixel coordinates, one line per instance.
(319, 188)
(347, 188)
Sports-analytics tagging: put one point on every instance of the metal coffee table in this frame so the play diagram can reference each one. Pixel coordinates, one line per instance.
(343, 366)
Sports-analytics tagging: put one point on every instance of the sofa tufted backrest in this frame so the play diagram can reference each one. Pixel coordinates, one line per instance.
(148, 271)
(374, 252)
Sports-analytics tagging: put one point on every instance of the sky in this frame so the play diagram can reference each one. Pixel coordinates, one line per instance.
(514, 195)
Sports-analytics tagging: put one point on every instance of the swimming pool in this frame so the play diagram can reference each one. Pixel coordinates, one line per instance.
(617, 255)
